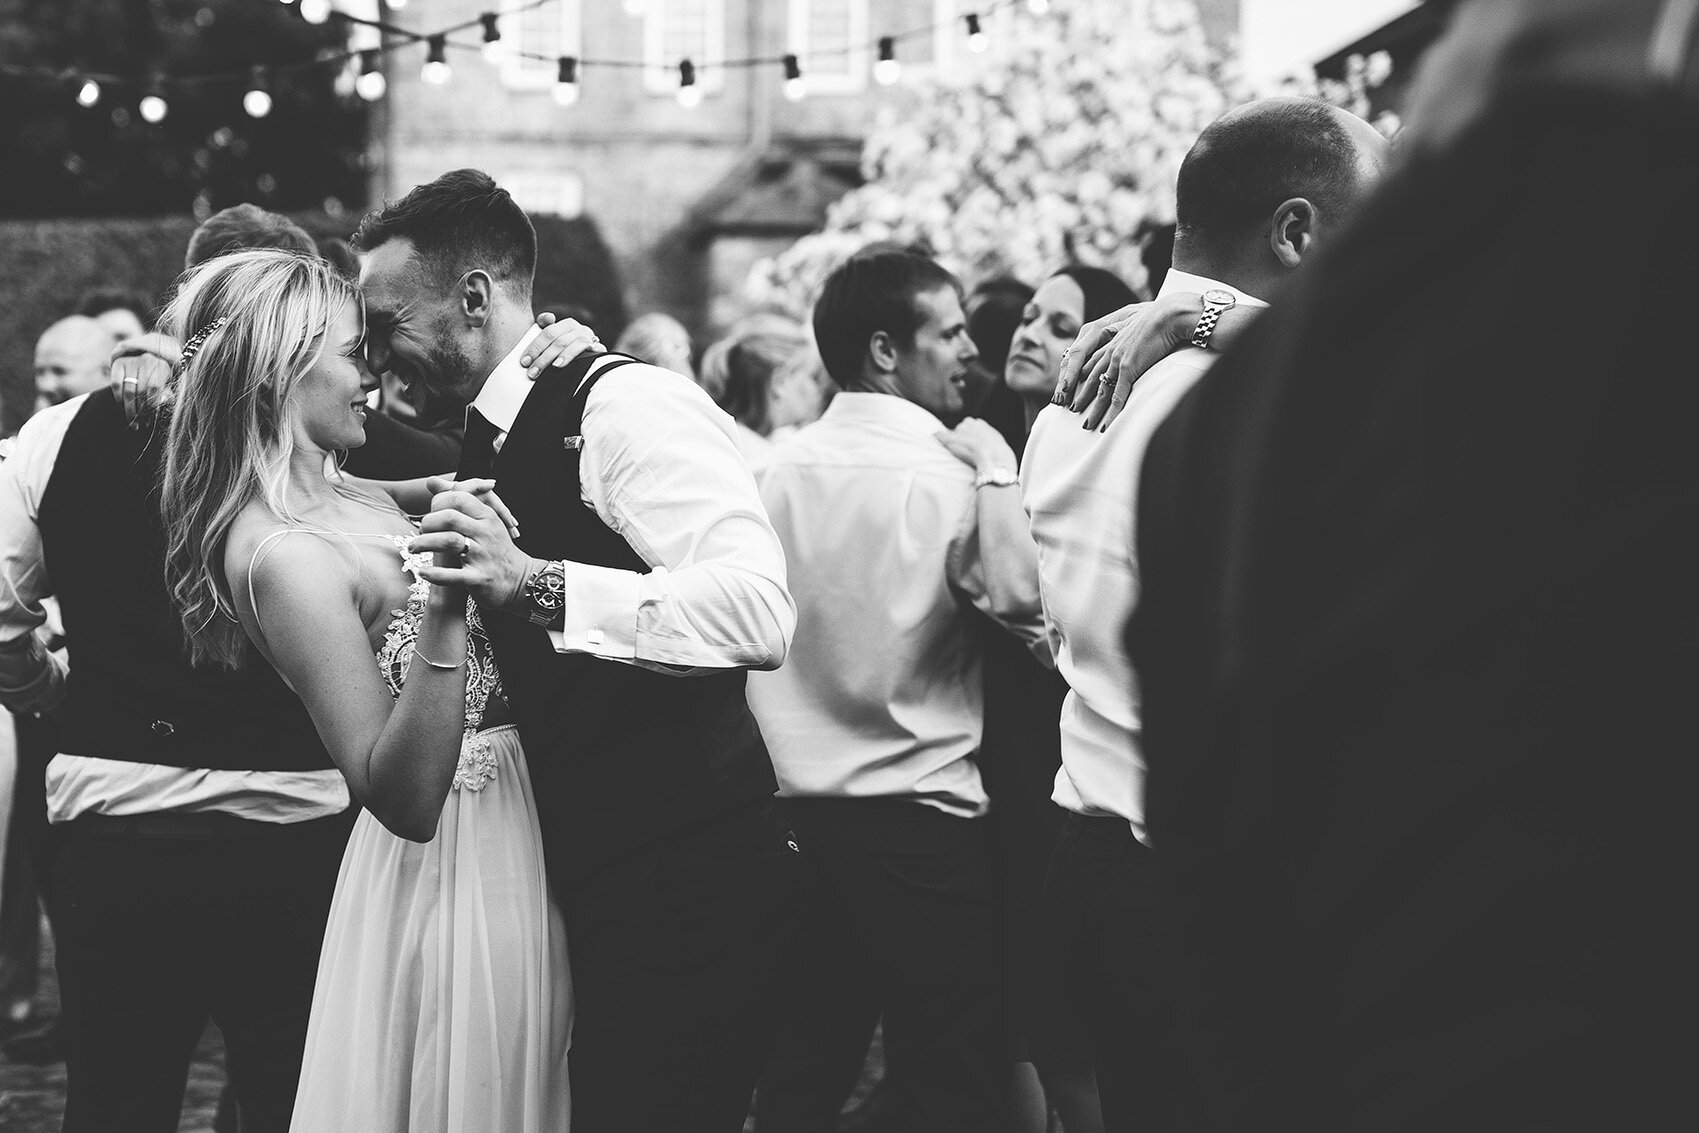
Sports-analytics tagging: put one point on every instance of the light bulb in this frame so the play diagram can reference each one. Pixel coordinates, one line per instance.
(89, 94)
(153, 109)
(976, 39)
(1038, 7)
(492, 49)
(566, 81)
(690, 97)
(633, 7)
(887, 70)
(315, 11)
(257, 103)
(436, 70)
(371, 85)
(796, 89)
(397, 5)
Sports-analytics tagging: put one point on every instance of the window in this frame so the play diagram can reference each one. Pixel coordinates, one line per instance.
(829, 38)
(553, 29)
(684, 29)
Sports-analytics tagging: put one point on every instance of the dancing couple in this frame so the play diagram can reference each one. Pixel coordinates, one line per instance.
(565, 896)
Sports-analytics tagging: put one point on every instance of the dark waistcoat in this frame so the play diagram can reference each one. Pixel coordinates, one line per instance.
(620, 755)
(132, 694)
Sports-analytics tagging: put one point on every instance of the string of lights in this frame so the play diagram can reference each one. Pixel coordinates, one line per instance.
(90, 88)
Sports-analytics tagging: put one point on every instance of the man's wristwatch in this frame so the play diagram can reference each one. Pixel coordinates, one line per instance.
(1215, 301)
(544, 593)
(997, 476)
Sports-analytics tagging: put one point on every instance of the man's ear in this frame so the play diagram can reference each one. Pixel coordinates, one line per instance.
(1292, 231)
(883, 351)
(477, 297)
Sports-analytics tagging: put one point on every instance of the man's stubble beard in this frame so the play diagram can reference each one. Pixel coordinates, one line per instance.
(452, 375)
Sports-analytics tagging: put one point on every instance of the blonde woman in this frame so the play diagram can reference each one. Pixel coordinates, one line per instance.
(442, 999)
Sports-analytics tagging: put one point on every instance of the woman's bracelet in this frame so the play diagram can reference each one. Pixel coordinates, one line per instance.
(438, 664)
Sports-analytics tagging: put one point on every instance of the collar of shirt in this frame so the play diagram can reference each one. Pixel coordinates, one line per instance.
(507, 387)
(1177, 280)
(883, 409)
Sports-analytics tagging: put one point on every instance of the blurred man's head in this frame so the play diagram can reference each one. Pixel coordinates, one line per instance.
(124, 313)
(246, 226)
(660, 340)
(447, 273)
(1266, 182)
(70, 359)
(891, 322)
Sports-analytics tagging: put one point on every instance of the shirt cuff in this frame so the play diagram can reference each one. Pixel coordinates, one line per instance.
(600, 613)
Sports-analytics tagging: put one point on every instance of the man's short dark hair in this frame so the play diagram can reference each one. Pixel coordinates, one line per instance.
(1246, 163)
(872, 291)
(99, 300)
(463, 221)
(241, 227)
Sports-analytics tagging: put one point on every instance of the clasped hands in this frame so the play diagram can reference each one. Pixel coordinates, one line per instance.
(471, 532)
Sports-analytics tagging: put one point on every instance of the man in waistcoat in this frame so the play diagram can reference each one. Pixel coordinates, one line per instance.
(646, 581)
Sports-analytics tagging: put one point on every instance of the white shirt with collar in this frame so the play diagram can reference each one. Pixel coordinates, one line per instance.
(1080, 488)
(882, 694)
(83, 784)
(660, 465)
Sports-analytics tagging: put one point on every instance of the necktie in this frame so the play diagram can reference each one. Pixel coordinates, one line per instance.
(478, 450)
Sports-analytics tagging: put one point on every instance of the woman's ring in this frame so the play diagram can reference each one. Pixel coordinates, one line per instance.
(129, 381)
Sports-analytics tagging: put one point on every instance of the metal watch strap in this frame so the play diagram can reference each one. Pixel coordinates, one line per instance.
(545, 593)
(1215, 301)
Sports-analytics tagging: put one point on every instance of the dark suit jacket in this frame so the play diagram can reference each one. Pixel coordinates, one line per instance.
(1419, 644)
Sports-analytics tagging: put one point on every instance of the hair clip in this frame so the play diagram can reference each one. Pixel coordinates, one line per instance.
(198, 339)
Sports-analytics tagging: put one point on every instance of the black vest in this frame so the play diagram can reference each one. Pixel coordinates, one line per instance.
(619, 755)
(132, 694)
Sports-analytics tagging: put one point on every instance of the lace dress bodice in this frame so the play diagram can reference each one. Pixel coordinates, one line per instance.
(477, 763)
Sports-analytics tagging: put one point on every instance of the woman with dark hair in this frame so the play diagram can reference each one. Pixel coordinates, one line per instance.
(993, 315)
(1021, 752)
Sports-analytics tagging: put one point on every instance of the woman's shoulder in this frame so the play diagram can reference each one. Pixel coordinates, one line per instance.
(263, 549)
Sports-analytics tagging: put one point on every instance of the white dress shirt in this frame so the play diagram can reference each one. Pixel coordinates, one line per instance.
(1080, 488)
(660, 465)
(881, 527)
(82, 784)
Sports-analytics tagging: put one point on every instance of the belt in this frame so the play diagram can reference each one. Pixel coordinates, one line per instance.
(196, 826)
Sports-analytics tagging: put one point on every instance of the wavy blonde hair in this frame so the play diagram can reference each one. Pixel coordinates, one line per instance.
(229, 441)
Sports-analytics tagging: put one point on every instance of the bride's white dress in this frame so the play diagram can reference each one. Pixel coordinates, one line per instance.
(443, 1000)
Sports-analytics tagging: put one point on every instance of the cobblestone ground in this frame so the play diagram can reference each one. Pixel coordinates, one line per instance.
(32, 1098)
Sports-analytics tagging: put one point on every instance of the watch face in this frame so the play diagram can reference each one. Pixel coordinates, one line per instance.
(1218, 297)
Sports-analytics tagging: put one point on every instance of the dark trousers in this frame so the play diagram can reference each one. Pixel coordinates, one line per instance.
(158, 934)
(1099, 895)
(680, 967)
(28, 855)
(904, 924)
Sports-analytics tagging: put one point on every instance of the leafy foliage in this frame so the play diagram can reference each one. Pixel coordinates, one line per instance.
(1062, 146)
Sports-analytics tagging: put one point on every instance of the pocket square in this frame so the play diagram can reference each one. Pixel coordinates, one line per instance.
(573, 444)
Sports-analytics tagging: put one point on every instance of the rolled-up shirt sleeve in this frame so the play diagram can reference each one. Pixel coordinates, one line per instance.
(32, 679)
(661, 467)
